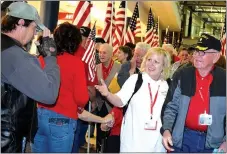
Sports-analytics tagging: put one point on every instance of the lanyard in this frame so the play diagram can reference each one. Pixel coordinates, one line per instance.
(155, 98)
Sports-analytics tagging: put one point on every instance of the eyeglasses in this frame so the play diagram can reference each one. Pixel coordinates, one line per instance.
(201, 53)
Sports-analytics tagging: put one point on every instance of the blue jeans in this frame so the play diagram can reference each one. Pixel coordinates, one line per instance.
(193, 142)
(55, 132)
(79, 138)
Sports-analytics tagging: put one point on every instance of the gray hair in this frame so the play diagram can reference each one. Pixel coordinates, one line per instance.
(142, 46)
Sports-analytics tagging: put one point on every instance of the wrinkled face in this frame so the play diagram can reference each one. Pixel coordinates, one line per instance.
(121, 56)
(184, 56)
(203, 61)
(154, 65)
(138, 55)
(104, 54)
(26, 34)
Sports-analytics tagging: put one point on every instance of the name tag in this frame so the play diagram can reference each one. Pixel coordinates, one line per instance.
(150, 125)
(205, 119)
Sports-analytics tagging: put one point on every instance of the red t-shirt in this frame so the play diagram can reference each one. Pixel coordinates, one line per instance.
(73, 91)
(80, 52)
(118, 116)
(199, 102)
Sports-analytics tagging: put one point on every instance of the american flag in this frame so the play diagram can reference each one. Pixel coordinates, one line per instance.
(155, 40)
(166, 37)
(109, 19)
(223, 40)
(120, 24)
(133, 29)
(89, 55)
(81, 16)
(150, 28)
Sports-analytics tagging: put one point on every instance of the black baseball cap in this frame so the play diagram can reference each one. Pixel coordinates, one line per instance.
(207, 42)
(99, 40)
(85, 31)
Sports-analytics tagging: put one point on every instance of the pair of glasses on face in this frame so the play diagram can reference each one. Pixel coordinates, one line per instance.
(201, 53)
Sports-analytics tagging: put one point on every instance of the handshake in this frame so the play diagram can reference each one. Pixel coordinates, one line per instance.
(46, 45)
(108, 122)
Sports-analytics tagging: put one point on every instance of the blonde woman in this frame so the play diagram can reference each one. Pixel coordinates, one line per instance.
(142, 121)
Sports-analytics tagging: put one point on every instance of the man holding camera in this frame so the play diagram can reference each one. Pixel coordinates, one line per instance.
(22, 78)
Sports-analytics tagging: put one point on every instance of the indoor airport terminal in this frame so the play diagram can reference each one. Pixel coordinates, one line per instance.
(113, 76)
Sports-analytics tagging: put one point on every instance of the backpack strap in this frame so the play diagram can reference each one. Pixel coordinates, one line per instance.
(137, 87)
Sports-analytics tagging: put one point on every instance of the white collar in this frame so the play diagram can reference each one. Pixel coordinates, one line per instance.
(149, 79)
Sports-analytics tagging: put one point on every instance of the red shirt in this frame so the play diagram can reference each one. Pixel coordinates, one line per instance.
(199, 102)
(118, 116)
(73, 91)
(80, 52)
(175, 58)
(106, 70)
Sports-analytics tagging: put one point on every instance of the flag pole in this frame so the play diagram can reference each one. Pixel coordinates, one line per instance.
(141, 37)
(89, 110)
(125, 26)
(89, 129)
(158, 30)
(111, 25)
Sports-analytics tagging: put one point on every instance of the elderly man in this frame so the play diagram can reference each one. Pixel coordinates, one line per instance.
(196, 103)
(133, 66)
(21, 74)
(106, 71)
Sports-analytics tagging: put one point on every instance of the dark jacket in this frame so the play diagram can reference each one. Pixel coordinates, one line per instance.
(124, 74)
(18, 114)
(178, 98)
(23, 71)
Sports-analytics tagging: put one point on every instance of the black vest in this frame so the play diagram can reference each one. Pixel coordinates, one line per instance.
(18, 112)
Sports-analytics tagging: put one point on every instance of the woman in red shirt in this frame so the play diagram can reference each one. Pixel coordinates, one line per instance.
(57, 123)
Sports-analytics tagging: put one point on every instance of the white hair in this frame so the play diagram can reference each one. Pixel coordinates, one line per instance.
(142, 46)
(169, 46)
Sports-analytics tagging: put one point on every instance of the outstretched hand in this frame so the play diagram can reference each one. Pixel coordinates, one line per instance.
(102, 88)
(108, 122)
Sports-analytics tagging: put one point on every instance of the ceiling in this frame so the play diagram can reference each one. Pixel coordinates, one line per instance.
(166, 10)
(212, 12)
(169, 12)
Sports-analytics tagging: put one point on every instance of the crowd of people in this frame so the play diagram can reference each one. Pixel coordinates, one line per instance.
(143, 98)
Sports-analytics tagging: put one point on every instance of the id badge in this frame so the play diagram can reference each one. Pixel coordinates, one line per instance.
(150, 125)
(205, 119)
